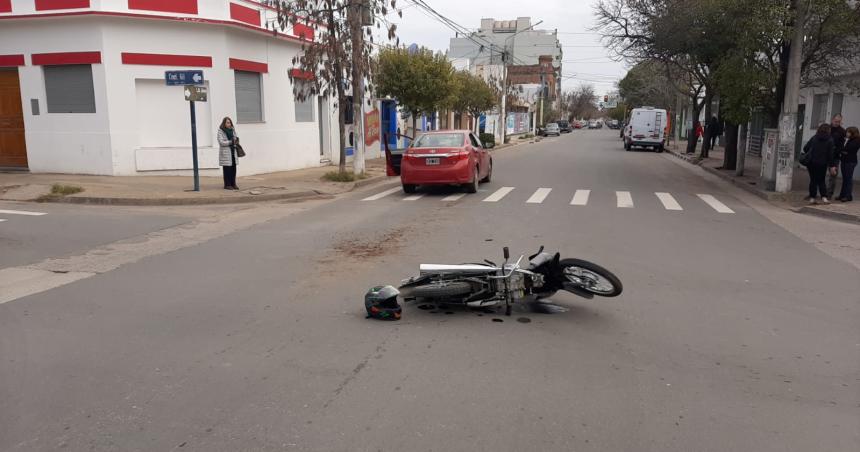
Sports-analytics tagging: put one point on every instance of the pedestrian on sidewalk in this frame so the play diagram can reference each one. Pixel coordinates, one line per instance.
(693, 137)
(849, 163)
(714, 131)
(838, 134)
(227, 141)
(818, 158)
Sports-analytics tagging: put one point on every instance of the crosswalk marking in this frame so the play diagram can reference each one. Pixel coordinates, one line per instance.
(539, 195)
(715, 204)
(381, 195)
(580, 198)
(22, 212)
(414, 197)
(668, 201)
(499, 194)
(624, 199)
(455, 197)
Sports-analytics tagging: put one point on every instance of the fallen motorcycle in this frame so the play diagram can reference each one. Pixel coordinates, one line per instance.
(488, 285)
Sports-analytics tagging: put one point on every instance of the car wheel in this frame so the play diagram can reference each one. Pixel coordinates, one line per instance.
(409, 188)
(472, 187)
(627, 146)
(489, 174)
(660, 149)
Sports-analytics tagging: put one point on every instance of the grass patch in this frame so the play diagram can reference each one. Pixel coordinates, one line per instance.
(58, 191)
(347, 176)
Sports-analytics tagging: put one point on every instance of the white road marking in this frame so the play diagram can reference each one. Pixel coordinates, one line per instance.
(499, 194)
(539, 196)
(454, 197)
(624, 199)
(2, 220)
(17, 282)
(23, 212)
(668, 201)
(414, 197)
(716, 204)
(580, 198)
(382, 195)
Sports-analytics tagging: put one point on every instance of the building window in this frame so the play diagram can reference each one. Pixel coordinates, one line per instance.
(305, 109)
(819, 111)
(69, 89)
(836, 108)
(249, 97)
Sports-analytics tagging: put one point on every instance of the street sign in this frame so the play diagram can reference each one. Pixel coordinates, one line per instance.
(195, 93)
(173, 78)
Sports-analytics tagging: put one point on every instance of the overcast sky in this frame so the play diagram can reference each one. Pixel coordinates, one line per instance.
(585, 59)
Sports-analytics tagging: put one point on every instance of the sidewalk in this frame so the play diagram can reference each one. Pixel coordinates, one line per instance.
(750, 182)
(175, 190)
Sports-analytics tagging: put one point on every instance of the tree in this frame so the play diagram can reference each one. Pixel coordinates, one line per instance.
(329, 61)
(420, 80)
(647, 83)
(618, 113)
(580, 103)
(470, 94)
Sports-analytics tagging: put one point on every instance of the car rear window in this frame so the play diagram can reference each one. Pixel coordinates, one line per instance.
(439, 140)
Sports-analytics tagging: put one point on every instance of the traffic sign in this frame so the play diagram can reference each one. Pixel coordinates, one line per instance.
(183, 77)
(195, 93)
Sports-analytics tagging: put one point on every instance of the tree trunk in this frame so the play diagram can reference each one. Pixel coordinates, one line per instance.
(730, 158)
(414, 125)
(742, 150)
(341, 94)
(706, 139)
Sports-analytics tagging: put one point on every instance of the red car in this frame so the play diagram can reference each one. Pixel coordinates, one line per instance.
(446, 157)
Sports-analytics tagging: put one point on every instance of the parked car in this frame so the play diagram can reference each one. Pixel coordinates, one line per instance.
(564, 126)
(646, 129)
(577, 124)
(614, 124)
(594, 124)
(551, 128)
(446, 157)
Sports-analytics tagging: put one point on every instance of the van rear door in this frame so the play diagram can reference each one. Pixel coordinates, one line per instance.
(643, 124)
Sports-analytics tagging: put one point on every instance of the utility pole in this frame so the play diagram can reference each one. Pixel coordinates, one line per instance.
(356, 28)
(788, 120)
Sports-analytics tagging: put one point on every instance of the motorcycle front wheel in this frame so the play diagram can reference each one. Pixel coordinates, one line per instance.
(591, 277)
(442, 290)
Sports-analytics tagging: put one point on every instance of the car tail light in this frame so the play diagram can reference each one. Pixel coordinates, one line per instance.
(459, 155)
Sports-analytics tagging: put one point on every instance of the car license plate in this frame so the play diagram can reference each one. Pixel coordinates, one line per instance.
(432, 161)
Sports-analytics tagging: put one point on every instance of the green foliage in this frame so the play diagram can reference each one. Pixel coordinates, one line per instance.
(488, 139)
(647, 83)
(470, 94)
(58, 191)
(420, 82)
(618, 113)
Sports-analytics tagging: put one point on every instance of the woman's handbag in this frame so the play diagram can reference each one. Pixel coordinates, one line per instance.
(239, 151)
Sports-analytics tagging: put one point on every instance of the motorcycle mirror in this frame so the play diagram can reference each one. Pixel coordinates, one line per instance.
(506, 253)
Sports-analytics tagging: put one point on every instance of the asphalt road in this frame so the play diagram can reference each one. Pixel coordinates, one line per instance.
(737, 329)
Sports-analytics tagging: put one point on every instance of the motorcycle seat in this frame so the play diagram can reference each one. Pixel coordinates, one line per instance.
(539, 260)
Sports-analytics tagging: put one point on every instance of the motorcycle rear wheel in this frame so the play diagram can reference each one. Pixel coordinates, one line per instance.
(442, 290)
(591, 277)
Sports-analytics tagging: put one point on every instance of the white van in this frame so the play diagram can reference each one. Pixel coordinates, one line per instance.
(646, 128)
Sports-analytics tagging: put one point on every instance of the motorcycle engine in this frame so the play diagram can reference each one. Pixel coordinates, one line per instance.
(517, 287)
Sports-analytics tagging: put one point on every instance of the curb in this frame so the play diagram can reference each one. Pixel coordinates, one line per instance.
(295, 196)
(767, 196)
(846, 217)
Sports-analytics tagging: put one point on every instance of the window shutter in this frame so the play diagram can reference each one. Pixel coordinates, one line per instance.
(249, 98)
(305, 110)
(69, 89)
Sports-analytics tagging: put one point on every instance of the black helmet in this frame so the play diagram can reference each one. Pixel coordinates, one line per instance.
(381, 303)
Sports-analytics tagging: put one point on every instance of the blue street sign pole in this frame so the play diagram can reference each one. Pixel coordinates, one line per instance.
(194, 147)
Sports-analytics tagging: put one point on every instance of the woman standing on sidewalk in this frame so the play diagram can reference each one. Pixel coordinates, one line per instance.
(227, 141)
(849, 162)
(819, 157)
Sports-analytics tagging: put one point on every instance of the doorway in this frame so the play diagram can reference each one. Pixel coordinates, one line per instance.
(13, 145)
(323, 123)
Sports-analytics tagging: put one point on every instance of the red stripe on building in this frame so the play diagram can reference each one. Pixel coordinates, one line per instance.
(169, 6)
(244, 14)
(301, 75)
(250, 66)
(5, 6)
(43, 59)
(48, 5)
(157, 59)
(11, 60)
(303, 31)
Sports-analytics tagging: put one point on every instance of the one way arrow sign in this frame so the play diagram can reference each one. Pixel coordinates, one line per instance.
(183, 78)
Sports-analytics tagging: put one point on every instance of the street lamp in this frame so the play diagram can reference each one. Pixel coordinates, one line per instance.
(505, 76)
